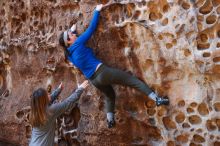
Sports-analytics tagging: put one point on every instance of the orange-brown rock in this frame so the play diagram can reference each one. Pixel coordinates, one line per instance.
(216, 143)
(206, 54)
(170, 143)
(212, 137)
(203, 37)
(150, 104)
(218, 123)
(183, 138)
(162, 111)
(190, 110)
(185, 125)
(185, 5)
(203, 109)
(151, 112)
(211, 19)
(165, 21)
(181, 103)
(210, 125)
(199, 139)
(203, 46)
(206, 8)
(215, 3)
(218, 10)
(193, 104)
(180, 117)
(216, 59)
(194, 119)
(173, 46)
(199, 130)
(168, 123)
(217, 106)
(193, 144)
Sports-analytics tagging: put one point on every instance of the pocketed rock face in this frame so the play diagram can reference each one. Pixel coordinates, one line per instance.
(173, 45)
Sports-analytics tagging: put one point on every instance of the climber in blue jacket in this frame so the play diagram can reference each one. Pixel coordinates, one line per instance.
(100, 75)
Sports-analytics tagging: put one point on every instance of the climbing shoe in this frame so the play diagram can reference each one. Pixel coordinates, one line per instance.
(162, 101)
(111, 123)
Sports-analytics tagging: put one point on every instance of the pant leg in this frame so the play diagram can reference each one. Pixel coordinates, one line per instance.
(116, 76)
(107, 76)
(109, 95)
(109, 98)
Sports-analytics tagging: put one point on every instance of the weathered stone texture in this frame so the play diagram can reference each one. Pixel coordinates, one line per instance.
(173, 45)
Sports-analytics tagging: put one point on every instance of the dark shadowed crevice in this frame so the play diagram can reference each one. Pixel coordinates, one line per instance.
(6, 143)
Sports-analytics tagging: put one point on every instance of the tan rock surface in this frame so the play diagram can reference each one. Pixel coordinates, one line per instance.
(173, 45)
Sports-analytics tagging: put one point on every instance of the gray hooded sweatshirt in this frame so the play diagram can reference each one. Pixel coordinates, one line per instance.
(44, 135)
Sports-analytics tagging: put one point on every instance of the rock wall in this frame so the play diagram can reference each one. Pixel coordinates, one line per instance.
(173, 45)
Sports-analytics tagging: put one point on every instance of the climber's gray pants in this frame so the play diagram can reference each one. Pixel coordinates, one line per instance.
(105, 76)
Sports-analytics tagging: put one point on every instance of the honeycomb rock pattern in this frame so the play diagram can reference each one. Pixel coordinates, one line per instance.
(173, 45)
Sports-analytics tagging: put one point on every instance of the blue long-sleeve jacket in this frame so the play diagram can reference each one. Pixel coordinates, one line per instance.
(54, 95)
(81, 55)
